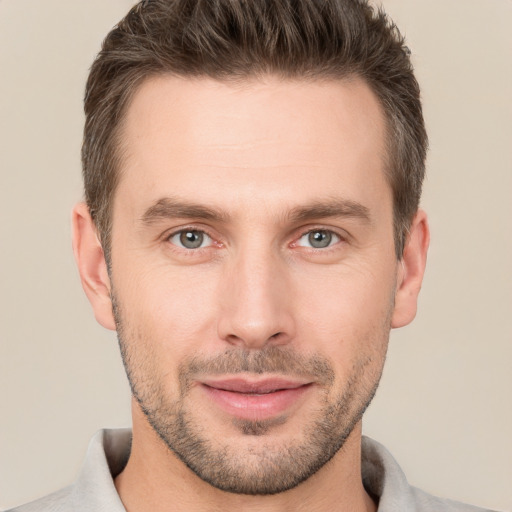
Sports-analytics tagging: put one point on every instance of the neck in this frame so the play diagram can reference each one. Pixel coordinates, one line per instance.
(156, 480)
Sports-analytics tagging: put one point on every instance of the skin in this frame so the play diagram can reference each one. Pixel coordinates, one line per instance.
(259, 155)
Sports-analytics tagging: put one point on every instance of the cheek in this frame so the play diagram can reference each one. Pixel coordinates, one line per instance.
(348, 321)
(343, 300)
(172, 311)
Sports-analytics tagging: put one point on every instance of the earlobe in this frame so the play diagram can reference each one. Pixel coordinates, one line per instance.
(412, 268)
(92, 266)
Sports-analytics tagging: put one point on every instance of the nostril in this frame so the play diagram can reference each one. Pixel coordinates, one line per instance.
(256, 341)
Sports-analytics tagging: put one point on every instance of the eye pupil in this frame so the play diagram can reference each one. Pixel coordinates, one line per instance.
(320, 239)
(191, 239)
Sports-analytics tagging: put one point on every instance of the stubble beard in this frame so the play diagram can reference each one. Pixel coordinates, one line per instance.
(263, 468)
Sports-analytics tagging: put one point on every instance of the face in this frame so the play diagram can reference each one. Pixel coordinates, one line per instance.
(254, 278)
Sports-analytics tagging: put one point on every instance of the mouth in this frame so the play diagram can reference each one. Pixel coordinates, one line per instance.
(256, 400)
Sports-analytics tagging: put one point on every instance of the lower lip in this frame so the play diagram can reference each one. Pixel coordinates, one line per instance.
(256, 407)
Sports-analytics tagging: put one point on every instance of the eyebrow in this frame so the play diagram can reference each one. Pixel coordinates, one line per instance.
(333, 208)
(169, 208)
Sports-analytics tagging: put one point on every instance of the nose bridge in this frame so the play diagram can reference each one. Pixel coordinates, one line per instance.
(255, 310)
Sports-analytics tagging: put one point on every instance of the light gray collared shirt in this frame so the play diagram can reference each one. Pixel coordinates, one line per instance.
(108, 452)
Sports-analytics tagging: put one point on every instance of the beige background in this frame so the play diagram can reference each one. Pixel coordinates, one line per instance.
(444, 408)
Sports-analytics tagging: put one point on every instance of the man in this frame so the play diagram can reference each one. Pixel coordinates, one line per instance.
(251, 230)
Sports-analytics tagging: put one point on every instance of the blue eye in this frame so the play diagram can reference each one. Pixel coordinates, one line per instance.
(318, 239)
(190, 239)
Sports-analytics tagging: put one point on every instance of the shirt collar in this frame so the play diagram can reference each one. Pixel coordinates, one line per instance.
(109, 451)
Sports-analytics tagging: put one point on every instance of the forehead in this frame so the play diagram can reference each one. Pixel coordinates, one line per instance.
(270, 137)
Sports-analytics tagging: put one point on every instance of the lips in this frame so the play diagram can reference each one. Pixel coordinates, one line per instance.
(261, 387)
(255, 399)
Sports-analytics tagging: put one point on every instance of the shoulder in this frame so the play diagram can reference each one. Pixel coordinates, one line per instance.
(428, 503)
(55, 502)
(94, 489)
(385, 481)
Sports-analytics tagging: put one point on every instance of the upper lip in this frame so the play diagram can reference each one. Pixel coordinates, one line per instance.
(261, 386)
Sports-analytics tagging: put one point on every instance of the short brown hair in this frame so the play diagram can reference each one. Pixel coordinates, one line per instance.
(238, 39)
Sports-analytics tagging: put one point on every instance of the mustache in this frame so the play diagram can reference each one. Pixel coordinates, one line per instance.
(271, 359)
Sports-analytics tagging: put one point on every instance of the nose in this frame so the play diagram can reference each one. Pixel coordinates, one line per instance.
(255, 302)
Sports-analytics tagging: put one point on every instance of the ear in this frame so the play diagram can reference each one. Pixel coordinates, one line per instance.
(92, 266)
(411, 270)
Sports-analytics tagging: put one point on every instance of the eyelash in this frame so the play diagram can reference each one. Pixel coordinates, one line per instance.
(186, 229)
(341, 238)
(330, 232)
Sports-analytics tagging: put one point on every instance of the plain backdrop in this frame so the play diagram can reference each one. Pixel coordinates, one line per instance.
(444, 407)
